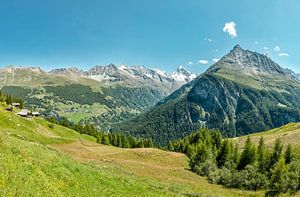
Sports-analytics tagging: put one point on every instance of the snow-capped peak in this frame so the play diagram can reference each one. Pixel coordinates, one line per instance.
(182, 75)
(161, 72)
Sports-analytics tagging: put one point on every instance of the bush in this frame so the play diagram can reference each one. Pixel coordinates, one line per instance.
(51, 126)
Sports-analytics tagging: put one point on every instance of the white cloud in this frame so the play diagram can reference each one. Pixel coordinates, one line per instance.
(230, 29)
(276, 49)
(283, 54)
(265, 48)
(203, 62)
(208, 39)
(190, 63)
(215, 59)
(256, 42)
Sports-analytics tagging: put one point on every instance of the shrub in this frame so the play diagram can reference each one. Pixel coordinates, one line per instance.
(51, 126)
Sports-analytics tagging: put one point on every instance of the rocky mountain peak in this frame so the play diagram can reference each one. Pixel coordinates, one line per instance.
(12, 68)
(239, 60)
(182, 74)
(67, 71)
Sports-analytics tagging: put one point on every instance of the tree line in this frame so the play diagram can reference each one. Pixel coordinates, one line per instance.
(115, 139)
(9, 99)
(255, 167)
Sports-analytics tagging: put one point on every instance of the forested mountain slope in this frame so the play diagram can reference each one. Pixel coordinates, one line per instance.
(101, 95)
(244, 92)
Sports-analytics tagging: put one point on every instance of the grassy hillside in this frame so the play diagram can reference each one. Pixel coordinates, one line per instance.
(37, 160)
(288, 134)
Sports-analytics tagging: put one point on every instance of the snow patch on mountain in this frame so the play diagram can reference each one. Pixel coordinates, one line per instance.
(183, 75)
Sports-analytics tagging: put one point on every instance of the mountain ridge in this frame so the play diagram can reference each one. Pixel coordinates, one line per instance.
(232, 96)
(100, 95)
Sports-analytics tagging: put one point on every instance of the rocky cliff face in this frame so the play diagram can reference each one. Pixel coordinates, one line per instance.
(244, 92)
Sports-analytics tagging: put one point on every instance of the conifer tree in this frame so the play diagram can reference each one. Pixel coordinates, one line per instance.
(276, 154)
(288, 155)
(8, 100)
(236, 154)
(262, 156)
(21, 104)
(99, 138)
(105, 139)
(119, 141)
(248, 156)
(125, 142)
(225, 153)
(278, 176)
(115, 140)
(170, 146)
(190, 151)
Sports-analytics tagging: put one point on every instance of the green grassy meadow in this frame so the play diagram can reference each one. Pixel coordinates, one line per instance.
(36, 160)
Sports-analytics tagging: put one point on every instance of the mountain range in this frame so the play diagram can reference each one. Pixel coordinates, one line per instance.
(244, 92)
(100, 95)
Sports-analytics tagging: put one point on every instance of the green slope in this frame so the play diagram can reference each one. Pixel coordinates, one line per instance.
(288, 134)
(37, 160)
(80, 98)
(245, 92)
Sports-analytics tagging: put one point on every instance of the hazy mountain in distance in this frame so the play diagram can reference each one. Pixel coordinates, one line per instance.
(100, 95)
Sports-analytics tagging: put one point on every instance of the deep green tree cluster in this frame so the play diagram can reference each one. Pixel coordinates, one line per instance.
(253, 167)
(114, 139)
(9, 99)
(123, 141)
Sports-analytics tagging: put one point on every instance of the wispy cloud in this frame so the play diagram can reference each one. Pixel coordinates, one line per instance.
(190, 63)
(215, 59)
(230, 29)
(283, 54)
(256, 42)
(203, 62)
(276, 49)
(265, 48)
(208, 39)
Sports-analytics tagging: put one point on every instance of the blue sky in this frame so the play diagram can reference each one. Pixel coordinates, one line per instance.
(153, 33)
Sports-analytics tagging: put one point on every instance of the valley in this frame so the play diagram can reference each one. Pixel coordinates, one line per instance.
(146, 98)
(60, 161)
(102, 95)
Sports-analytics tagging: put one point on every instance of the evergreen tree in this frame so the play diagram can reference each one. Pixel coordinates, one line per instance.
(105, 139)
(225, 153)
(202, 154)
(119, 141)
(148, 143)
(190, 151)
(8, 100)
(236, 154)
(21, 104)
(277, 150)
(262, 156)
(125, 142)
(288, 155)
(170, 146)
(248, 156)
(115, 140)
(99, 138)
(278, 176)
(216, 138)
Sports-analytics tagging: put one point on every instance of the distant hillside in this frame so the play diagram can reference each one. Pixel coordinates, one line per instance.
(101, 95)
(244, 92)
(60, 162)
(288, 134)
